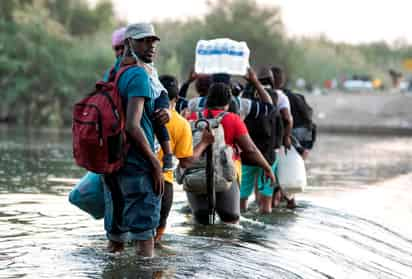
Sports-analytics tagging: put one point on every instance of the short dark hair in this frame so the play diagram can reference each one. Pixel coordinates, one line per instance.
(171, 85)
(278, 75)
(221, 77)
(202, 84)
(265, 76)
(219, 95)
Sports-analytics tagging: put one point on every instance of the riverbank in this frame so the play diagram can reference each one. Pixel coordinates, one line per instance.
(376, 113)
(337, 112)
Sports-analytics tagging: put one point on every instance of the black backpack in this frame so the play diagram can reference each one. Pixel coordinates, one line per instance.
(302, 114)
(266, 131)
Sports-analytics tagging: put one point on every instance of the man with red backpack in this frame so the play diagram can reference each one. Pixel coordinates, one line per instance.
(133, 196)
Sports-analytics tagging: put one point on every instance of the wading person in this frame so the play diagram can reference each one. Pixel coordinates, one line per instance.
(266, 130)
(134, 192)
(118, 41)
(161, 99)
(283, 105)
(303, 130)
(235, 134)
(284, 108)
(263, 129)
(181, 145)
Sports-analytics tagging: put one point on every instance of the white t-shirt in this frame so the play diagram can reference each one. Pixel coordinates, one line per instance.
(245, 106)
(196, 104)
(283, 101)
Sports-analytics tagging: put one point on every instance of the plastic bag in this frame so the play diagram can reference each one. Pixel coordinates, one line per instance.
(88, 195)
(292, 172)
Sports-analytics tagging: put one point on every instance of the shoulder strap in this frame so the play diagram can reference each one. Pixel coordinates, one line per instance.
(200, 115)
(201, 119)
(112, 74)
(220, 116)
(121, 71)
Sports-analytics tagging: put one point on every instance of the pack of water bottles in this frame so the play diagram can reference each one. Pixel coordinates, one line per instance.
(222, 56)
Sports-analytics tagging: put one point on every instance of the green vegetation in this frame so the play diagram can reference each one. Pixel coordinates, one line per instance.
(52, 51)
(47, 60)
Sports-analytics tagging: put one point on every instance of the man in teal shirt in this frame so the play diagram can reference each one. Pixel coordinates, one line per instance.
(133, 193)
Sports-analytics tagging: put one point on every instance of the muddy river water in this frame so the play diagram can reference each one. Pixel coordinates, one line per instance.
(353, 221)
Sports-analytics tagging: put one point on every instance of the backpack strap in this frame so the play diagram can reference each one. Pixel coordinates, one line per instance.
(121, 71)
(112, 74)
(201, 119)
(200, 115)
(104, 84)
(220, 116)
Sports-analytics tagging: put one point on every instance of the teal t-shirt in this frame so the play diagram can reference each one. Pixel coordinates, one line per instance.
(135, 82)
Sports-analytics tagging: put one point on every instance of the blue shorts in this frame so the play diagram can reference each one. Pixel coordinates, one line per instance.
(253, 174)
(132, 209)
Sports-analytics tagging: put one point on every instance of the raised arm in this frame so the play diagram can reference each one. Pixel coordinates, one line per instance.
(263, 94)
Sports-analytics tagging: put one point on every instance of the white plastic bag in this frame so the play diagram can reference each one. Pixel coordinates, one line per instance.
(292, 172)
(222, 56)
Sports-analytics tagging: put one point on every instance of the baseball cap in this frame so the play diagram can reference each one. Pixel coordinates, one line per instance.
(140, 31)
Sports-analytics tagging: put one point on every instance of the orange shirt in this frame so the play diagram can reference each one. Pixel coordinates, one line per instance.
(180, 140)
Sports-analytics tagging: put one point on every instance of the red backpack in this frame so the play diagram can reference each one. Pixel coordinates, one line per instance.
(98, 129)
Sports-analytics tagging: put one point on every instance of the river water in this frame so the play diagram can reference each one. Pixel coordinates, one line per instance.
(353, 221)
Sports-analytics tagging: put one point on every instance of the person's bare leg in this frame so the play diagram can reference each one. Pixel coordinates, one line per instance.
(265, 204)
(255, 189)
(243, 205)
(277, 198)
(145, 248)
(280, 195)
(290, 201)
(114, 246)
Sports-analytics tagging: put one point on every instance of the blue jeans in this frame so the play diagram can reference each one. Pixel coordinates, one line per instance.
(132, 209)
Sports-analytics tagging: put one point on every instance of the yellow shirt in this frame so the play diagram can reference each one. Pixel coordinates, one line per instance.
(180, 140)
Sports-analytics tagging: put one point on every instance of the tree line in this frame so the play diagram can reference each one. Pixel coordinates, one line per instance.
(52, 51)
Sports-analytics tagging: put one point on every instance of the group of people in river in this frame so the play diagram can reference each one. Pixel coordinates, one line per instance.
(160, 127)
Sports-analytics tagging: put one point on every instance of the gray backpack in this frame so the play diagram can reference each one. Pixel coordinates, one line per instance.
(194, 178)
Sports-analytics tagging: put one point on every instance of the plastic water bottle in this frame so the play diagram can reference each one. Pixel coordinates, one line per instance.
(244, 52)
(222, 56)
(200, 62)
